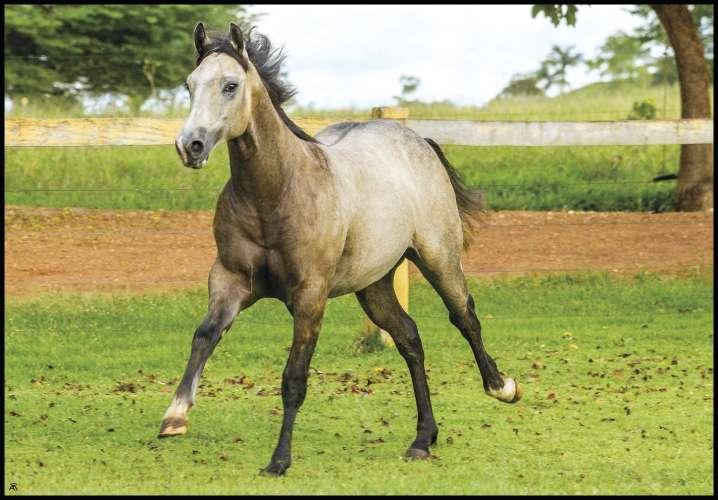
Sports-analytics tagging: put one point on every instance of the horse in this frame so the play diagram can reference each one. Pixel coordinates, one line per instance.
(303, 219)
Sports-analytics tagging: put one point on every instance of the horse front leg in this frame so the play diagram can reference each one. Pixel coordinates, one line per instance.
(229, 293)
(307, 307)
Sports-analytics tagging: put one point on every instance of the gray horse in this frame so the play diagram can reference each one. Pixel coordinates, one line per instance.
(304, 219)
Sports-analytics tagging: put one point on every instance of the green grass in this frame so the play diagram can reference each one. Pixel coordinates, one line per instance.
(112, 177)
(513, 178)
(601, 178)
(617, 375)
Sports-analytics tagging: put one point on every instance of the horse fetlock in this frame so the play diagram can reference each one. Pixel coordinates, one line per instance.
(434, 436)
(511, 392)
(432, 431)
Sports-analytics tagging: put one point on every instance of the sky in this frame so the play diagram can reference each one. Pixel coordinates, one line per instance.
(343, 56)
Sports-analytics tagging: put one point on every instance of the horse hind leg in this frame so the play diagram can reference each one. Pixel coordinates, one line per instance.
(443, 271)
(381, 305)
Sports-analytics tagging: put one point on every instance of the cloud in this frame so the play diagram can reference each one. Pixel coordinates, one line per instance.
(344, 55)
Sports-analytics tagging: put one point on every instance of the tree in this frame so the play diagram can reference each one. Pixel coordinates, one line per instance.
(133, 50)
(553, 68)
(556, 12)
(653, 34)
(409, 85)
(522, 85)
(695, 175)
(629, 55)
(622, 57)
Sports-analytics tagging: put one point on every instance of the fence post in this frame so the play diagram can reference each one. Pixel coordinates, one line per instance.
(401, 275)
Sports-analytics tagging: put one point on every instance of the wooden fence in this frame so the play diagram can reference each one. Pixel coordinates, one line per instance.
(27, 132)
(31, 132)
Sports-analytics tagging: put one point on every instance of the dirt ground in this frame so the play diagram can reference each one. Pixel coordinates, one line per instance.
(119, 250)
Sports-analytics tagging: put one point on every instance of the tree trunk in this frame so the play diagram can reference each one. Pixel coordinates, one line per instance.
(135, 102)
(695, 176)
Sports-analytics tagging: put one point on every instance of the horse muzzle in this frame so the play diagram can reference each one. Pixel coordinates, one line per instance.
(194, 152)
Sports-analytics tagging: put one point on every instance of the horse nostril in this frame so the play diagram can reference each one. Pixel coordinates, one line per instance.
(196, 147)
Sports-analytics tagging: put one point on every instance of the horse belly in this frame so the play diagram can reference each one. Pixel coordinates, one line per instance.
(383, 206)
(368, 256)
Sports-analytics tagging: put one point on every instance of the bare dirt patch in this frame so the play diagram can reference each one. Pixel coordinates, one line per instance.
(92, 250)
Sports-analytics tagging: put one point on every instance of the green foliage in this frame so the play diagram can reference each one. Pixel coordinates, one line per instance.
(132, 50)
(557, 13)
(617, 378)
(652, 34)
(409, 85)
(643, 110)
(553, 68)
(522, 85)
(665, 71)
(551, 72)
(652, 31)
(622, 57)
(628, 55)
(703, 17)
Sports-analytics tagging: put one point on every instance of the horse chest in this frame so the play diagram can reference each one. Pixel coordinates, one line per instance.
(265, 267)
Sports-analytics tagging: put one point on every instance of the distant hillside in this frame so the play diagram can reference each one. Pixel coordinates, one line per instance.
(596, 101)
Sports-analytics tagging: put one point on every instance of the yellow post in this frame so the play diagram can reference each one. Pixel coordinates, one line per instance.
(401, 275)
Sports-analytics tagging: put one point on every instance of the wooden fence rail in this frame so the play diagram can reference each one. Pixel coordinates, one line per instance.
(30, 132)
(616, 133)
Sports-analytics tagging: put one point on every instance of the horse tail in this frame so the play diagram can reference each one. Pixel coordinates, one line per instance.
(469, 201)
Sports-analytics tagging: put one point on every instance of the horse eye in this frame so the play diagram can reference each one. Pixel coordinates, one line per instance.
(229, 88)
(186, 86)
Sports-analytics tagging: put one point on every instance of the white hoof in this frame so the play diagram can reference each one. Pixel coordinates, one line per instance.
(511, 392)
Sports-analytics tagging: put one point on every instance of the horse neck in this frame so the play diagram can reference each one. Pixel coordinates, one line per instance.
(264, 158)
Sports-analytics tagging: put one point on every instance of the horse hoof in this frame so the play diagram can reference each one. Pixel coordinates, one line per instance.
(511, 392)
(173, 426)
(416, 454)
(274, 470)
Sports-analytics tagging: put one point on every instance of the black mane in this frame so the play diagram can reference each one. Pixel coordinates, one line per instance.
(268, 62)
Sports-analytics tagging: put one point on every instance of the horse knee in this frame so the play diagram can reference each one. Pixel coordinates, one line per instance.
(206, 335)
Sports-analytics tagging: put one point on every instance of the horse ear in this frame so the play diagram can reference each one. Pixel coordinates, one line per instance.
(237, 37)
(199, 37)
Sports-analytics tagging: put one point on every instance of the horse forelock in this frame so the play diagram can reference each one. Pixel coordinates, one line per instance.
(219, 43)
(268, 62)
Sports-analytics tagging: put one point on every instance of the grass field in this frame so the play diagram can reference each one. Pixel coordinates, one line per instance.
(617, 373)
(587, 178)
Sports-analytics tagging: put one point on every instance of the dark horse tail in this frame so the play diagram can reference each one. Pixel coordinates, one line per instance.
(469, 201)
